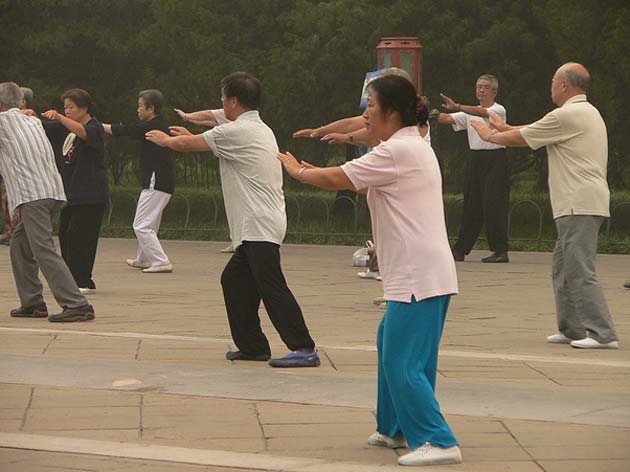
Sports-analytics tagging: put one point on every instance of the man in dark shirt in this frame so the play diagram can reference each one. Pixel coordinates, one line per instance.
(156, 169)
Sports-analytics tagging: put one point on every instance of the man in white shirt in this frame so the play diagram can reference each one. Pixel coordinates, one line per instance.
(34, 186)
(577, 145)
(251, 177)
(487, 187)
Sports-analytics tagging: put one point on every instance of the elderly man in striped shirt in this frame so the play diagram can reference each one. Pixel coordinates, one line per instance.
(34, 185)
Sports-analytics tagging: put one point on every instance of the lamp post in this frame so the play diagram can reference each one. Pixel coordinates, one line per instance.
(402, 52)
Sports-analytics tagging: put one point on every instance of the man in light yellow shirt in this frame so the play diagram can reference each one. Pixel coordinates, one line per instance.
(577, 145)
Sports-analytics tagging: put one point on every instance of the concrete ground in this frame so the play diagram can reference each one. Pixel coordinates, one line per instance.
(145, 386)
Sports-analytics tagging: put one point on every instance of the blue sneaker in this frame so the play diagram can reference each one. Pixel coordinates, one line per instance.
(297, 359)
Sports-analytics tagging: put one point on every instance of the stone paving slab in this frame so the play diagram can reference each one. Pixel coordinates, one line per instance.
(108, 380)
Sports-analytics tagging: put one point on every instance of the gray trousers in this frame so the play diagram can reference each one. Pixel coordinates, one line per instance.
(33, 249)
(580, 306)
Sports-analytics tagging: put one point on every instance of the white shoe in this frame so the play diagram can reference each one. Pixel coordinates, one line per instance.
(379, 278)
(157, 269)
(378, 439)
(228, 249)
(559, 338)
(383, 306)
(136, 265)
(87, 290)
(590, 343)
(432, 455)
(368, 274)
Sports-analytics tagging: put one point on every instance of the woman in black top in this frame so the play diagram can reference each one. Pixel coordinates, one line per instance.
(85, 183)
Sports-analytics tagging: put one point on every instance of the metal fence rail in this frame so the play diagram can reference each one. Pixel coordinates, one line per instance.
(295, 217)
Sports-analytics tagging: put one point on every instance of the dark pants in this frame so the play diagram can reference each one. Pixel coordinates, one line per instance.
(486, 201)
(79, 228)
(254, 274)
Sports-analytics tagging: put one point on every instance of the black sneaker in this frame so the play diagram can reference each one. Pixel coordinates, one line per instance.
(68, 315)
(627, 284)
(241, 356)
(36, 311)
(496, 257)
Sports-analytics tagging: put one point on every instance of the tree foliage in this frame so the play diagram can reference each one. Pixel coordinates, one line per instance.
(312, 56)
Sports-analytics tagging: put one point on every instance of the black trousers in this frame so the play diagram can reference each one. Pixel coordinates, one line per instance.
(486, 201)
(254, 274)
(79, 228)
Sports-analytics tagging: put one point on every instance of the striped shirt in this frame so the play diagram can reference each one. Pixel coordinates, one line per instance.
(27, 162)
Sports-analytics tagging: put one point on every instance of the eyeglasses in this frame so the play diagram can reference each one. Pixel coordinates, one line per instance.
(484, 87)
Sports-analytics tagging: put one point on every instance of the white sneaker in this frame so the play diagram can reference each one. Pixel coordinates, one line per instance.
(368, 274)
(432, 455)
(559, 338)
(383, 306)
(87, 290)
(228, 249)
(157, 269)
(590, 343)
(378, 439)
(136, 265)
(379, 278)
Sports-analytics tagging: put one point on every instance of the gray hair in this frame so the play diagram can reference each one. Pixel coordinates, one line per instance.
(576, 79)
(10, 94)
(27, 98)
(492, 79)
(152, 98)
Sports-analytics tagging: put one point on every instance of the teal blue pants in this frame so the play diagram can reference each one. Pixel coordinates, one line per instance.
(408, 341)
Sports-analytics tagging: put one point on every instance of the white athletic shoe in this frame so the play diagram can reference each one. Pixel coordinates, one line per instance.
(228, 249)
(136, 265)
(87, 290)
(368, 274)
(432, 455)
(158, 269)
(378, 439)
(558, 338)
(379, 300)
(590, 343)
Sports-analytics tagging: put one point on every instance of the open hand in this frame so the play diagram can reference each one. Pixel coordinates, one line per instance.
(449, 103)
(335, 138)
(307, 133)
(158, 137)
(179, 131)
(51, 115)
(497, 122)
(182, 114)
(482, 129)
(290, 163)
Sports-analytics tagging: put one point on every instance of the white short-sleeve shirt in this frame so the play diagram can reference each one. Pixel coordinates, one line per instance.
(461, 121)
(577, 145)
(251, 178)
(404, 185)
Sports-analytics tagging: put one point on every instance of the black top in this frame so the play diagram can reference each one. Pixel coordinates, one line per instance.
(83, 169)
(153, 158)
(56, 133)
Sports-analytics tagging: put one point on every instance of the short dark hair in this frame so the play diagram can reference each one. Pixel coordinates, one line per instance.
(245, 87)
(81, 98)
(152, 98)
(395, 93)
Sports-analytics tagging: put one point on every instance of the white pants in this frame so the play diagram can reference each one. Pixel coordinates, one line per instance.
(146, 224)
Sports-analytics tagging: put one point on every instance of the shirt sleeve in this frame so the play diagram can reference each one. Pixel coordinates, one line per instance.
(460, 121)
(375, 169)
(95, 135)
(217, 141)
(547, 130)
(219, 115)
(135, 131)
(498, 110)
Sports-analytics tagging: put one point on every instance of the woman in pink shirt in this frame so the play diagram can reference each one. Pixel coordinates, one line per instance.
(404, 193)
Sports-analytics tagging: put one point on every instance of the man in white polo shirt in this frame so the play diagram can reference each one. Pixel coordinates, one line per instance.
(577, 145)
(487, 187)
(251, 177)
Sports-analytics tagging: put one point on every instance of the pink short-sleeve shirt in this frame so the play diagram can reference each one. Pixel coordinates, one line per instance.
(407, 211)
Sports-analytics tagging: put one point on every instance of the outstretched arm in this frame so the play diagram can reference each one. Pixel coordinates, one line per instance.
(345, 125)
(73, 126)
(510, 138)
(201, 117)
(450, 105)
(329, 178)
(357, 138)
(182, 143)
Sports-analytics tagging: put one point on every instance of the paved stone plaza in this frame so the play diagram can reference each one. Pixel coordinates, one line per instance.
(145, 387)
